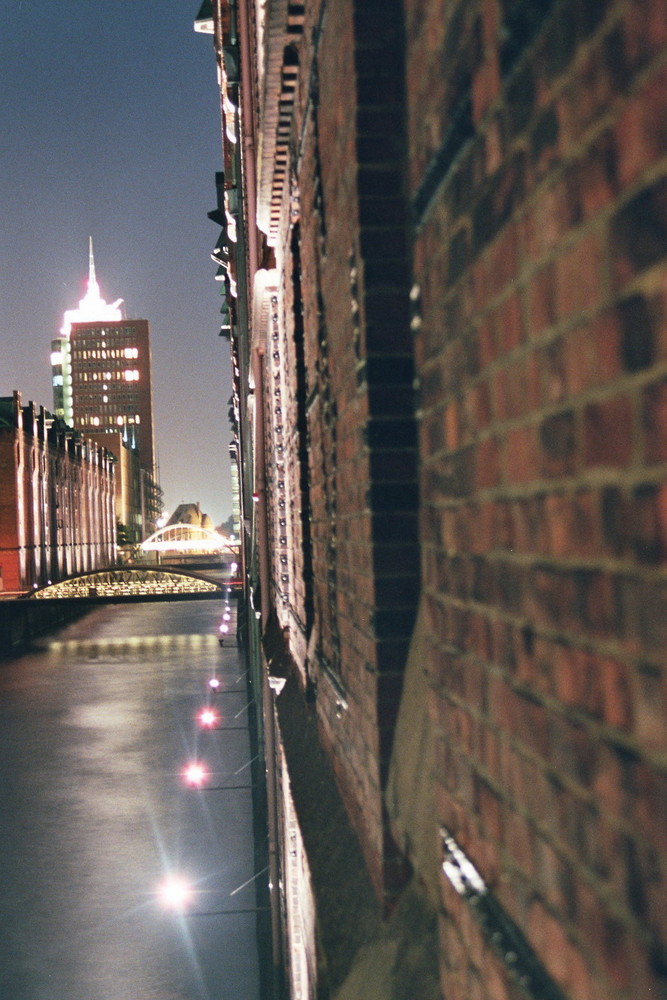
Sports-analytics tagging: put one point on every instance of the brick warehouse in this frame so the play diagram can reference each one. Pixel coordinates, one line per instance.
(443, 266)
(56, 499)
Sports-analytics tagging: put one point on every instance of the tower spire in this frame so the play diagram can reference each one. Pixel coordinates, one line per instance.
(92, 306)
(91, 263)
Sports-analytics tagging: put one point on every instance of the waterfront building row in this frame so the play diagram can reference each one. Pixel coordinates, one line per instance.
(57, 505)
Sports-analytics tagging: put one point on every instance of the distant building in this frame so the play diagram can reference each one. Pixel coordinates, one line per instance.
(102, 384)
(129, 495)
(56, 499)
(111, 383)
(191, 513)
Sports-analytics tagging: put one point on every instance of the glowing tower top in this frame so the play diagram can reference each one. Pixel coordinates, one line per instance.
(92, 307)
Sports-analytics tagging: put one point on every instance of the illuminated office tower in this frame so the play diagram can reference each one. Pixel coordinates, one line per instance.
(101, 366)
(92, 307)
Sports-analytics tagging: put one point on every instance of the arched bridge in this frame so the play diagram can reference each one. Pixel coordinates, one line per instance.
(188, 539)
(131, 584)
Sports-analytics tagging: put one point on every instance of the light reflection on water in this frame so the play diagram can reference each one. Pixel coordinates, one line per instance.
(138, 643)
(94, 728)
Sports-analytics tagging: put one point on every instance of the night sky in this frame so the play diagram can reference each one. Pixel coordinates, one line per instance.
(110, 128)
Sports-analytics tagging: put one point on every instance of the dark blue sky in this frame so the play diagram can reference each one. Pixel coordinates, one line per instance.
(110, 127)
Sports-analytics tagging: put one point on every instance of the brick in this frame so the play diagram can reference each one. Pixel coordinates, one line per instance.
(648, 524)
(557, 443)
(578, 278)
(509, 322)
(608, 433)
(597, 604)
(520, 455)
(486, 335)
(643, 614)
(654, 413)
(553, 876)
(477, 406)
(553, 597)
(594, 177)
(572, 524)
(638, 233)
(487, 464)
(641, 130)
(592, 354)
(498, 202)
(649, 796)
(541, 301)
(546, 224)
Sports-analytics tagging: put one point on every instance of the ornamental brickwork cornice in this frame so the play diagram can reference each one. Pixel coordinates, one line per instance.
(283, 28)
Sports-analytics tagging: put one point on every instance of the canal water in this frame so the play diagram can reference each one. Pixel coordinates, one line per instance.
(96, 726)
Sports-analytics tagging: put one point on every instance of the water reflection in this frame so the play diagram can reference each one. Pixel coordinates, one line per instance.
(95, 727)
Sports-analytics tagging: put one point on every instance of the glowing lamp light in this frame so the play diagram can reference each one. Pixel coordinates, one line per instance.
(195, 775)
(234, 567)
(214, 683)
(175, 893)
(207, 718)
(224, 628)
(226, 616)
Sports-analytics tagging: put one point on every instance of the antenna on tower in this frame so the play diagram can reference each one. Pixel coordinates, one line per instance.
(91, 262)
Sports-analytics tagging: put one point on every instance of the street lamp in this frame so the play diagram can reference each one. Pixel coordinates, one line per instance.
(207, 718)
(214, 683)
(196, 775)
(176, 893)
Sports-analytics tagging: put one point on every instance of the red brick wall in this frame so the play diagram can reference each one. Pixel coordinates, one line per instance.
(512, 253)
(357, 563)
(10, 544)
(538, 178)
(56, 503)
(343, 645)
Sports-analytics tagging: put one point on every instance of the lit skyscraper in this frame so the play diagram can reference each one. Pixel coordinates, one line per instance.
(102, 387)
(101, 366)
(92, 307)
